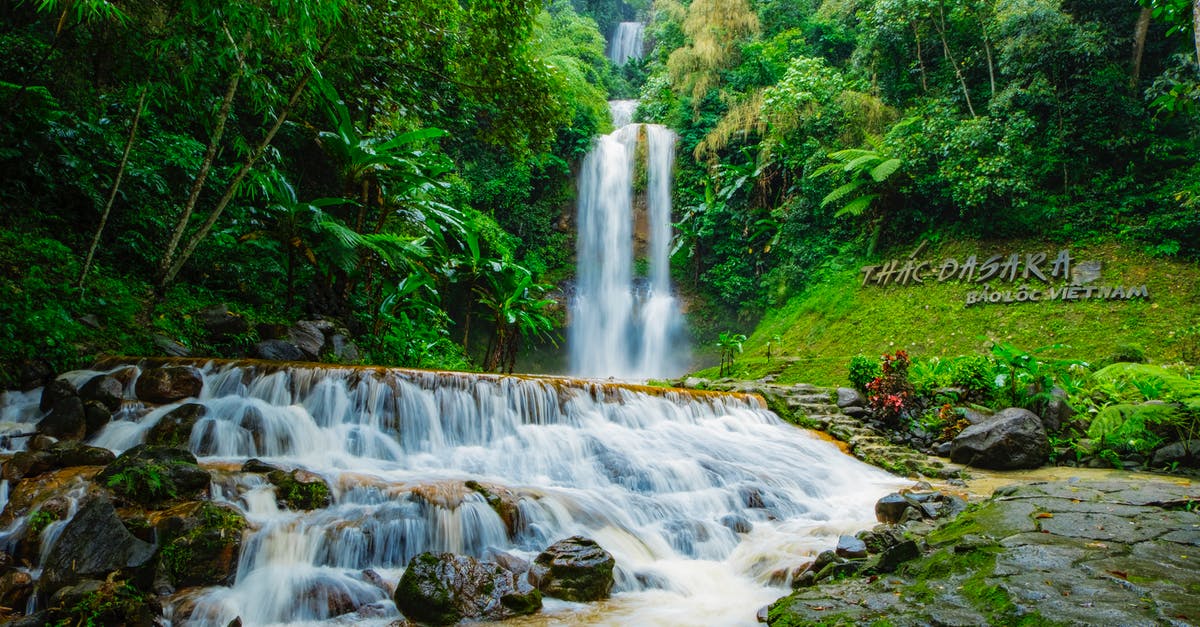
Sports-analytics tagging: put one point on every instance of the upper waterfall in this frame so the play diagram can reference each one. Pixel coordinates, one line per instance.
(627, 42)
(621, 325)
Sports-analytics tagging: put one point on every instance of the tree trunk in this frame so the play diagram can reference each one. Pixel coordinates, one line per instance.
(941, 28)
(1139, 46)
(242, 172)
(1196, 27)
(112, 196)
(201, 177)
(920, 59)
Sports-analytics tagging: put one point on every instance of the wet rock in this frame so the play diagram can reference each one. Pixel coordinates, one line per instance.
(342, 349)
(881, 538)
(890, 508)
(575, 569)
(507, 561)
(1181, 452)
(66, 420)
(92, 546)
(1013, 438)
(175, 428)
(155, 475)
(169, 384)
(892, 557)
(202, 544)
(55, 391)
(444, 589)
(300, 489)
(850, 547)
(502, 501)
(15, 588)
(56, 456)
(105, 389)
(259, 466)
(93, 602)
(737, 523)
(95, 417)
(850, 397)
(1057, 411)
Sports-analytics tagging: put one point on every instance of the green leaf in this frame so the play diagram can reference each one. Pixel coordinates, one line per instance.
(882, 171)
(857, 206)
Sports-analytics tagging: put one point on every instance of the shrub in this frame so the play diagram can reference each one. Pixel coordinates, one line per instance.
(890, 395)
(975, 375)
(863, 370)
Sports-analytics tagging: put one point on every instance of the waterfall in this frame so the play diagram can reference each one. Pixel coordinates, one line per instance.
(622, 326)
(702, 498)
(626, 43)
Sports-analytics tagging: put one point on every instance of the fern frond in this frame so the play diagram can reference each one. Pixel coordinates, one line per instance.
(857, 206)
(882, 171)
(842, 192)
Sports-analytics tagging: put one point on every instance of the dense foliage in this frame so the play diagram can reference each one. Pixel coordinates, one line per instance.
(400, 167)
(826, 128)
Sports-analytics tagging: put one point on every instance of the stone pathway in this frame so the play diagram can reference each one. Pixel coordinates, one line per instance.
(1075, 552)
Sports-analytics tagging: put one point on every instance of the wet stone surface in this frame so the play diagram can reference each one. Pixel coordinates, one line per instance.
(1119, 552)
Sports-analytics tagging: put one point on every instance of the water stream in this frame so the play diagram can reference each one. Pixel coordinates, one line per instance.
(626, 43)
(702, 498)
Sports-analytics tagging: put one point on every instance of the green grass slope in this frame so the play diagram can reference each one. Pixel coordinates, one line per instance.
(814, 335)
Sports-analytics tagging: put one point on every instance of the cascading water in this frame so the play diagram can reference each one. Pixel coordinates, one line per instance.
(700, 497)
(627, 42)
(621, 327)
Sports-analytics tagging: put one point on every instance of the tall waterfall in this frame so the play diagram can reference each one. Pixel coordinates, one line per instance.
(627, 42)
(621, 326)
(700, 497)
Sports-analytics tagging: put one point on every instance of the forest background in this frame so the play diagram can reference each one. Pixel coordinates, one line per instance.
(407, 168)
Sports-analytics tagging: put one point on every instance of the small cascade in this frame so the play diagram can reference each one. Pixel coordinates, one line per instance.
(625, 326)
(701, 497)
(628, 41)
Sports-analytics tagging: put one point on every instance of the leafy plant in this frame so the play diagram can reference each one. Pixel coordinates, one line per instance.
(731, 346)
(863, 370)
(890, 395)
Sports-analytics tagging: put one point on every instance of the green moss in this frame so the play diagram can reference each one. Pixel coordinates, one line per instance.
(113, 604)
(198, 556)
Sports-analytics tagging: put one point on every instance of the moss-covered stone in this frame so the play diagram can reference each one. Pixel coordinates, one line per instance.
(205, 539)
(300, 490)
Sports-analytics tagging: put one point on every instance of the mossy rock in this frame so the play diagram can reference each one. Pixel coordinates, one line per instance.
(300, 490)
(205, 540)
(155, 476)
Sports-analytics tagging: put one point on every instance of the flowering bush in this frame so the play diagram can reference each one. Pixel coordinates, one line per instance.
(890, 395)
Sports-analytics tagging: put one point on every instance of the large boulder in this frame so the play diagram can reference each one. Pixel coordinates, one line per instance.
(105, 389)
(1013, 438)
(309, 337)
(278, 350)
(66, 420)
(203, 540)
(575, 569)
(154, 475)
(444, 589)
(1057, 411)
(55, 391)
(92, 546)
(850, 397)
(175, 428)
(169, 384)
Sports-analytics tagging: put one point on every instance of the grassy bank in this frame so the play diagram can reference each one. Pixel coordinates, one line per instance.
(813, 336)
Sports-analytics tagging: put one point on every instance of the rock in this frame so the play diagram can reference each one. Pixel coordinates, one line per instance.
(1057, 412)
(507, 561)
(204, 542)
(442, 590)
(55, 391)
(1181, 452)
(220, 324)
(1013, 438)
(737, 523)
(95, 417)
(94, 544)
(106, 389)
(892, 557)
(851, 547)
(278, 350)
(66, 420)
(58, 455)
(861, 413)
(15, 588)
(170, 347)
(840, 568)
(804, 579)
(300, 489)
(575, 569)
(890, 508)
(881, 538)
(502, 501)
(155, 475)
(942, 449)
(309, 337)
(343, 349)
(850, 397)
(175, 428)
(94, 602)
(169, 384)
(976, 415)
(255, 464)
